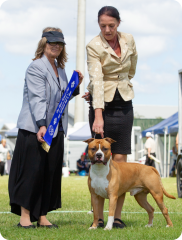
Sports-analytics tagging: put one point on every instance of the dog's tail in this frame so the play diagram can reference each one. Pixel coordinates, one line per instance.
(164, 191)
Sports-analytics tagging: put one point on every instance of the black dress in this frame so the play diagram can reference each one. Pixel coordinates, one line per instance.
(35, 176)
(118, 122)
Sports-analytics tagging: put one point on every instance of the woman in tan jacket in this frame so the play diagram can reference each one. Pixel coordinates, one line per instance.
(112, 59)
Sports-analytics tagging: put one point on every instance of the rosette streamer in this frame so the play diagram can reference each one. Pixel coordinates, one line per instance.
(59, 111)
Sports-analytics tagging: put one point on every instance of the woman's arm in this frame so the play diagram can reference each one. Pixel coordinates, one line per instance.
(79, 165)
(177, 139)
(97, 86)
(37, 98)
(149, 151)
(134, 58)
(35, 80)
(86, 96)
(77, 90)
(98, 124)
(96, 77)
(80, 77)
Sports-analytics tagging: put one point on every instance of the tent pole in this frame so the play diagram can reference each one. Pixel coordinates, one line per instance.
(165, 152)
(169, 146)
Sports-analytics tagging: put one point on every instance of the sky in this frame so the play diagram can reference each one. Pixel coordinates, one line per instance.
(155, 25)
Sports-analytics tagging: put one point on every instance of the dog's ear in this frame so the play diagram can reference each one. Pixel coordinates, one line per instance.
(89, 140)
(110, 140)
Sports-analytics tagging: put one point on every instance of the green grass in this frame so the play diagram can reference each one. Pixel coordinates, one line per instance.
(76, 197)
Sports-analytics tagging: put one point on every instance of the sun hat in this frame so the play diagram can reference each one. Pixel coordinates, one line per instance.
(54, 36)
(148, 134)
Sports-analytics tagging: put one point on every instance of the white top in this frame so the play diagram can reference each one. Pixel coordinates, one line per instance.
(3, 153)
(150, 143)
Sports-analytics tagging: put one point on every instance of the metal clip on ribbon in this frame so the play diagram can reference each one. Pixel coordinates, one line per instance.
(59, 111)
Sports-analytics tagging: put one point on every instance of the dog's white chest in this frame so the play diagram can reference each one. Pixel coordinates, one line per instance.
(98, 175)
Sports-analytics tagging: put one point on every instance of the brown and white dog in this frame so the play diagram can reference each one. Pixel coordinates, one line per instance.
(110, 179)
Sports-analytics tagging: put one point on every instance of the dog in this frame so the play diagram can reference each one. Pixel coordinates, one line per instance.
(110, 179)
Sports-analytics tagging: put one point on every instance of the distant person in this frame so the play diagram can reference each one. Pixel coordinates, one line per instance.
(150, 150)
(3, 156)
(8, 165)
(174, 157)
(177, 140)
(82, 164)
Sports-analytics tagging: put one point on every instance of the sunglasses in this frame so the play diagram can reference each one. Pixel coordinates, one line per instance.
(56, 43)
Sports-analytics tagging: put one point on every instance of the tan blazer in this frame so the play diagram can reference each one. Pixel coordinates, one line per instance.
(107, 71)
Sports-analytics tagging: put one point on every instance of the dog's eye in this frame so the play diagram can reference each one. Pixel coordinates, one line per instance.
(105, 149)
(93, 149)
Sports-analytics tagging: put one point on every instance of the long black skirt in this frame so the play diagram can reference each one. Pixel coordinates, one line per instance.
(35, 176)
(118, 122)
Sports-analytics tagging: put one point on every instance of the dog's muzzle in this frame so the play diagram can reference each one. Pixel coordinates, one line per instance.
(99, 158)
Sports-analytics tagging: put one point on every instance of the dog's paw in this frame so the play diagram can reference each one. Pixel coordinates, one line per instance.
(108, 228)
(90, 228)
(149, 225)
(169, 226)
(109, 223)
(90, 212)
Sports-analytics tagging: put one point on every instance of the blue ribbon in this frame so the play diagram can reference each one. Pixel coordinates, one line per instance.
(60, 108)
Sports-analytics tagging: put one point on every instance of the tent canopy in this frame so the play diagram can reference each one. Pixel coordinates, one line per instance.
(174, 128)
(165, 124)
(12, 133)
(81, 134)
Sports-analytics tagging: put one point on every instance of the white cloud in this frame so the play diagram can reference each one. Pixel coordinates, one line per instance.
(154, 17)
(138, 87)
(144, 67)
(160, 78)
(21, 22)
(150, 45)
(20, 31)
(174, 65)
(155, 25)
(151, 82)
(137, 23)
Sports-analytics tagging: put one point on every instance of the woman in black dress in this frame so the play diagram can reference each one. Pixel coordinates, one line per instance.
(35, 176)
(112, 59)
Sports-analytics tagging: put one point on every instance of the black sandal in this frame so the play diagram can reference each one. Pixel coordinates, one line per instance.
(26, 227)
(100, 225)
(47, 226)
(118, 225)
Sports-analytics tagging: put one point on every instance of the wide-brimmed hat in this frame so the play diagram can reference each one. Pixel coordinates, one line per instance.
(54, 36)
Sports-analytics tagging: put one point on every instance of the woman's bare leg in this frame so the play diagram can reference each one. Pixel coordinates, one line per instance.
(25, 217)
(43, 221)
(120, 202)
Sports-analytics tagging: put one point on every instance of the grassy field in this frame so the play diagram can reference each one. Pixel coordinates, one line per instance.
(76, 197)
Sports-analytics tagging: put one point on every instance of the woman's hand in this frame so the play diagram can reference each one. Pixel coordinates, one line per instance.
(149, 151)
(80, 77)
(98, 124)
(86, 96)
(41, 134)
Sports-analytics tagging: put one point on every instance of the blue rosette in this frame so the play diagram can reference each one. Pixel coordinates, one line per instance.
(73, 83)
